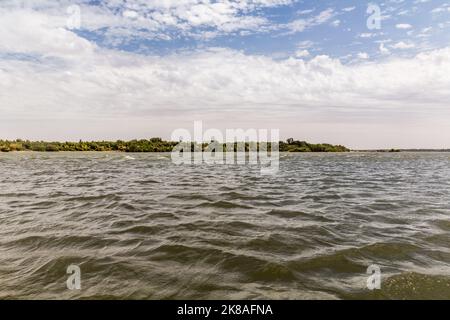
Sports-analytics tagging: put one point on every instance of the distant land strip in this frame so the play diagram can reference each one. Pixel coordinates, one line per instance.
(403, 150)
(150, 145)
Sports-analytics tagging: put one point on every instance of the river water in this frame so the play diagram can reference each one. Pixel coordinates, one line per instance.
(141, 227)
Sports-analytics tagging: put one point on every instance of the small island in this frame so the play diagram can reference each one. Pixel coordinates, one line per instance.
(144, 145)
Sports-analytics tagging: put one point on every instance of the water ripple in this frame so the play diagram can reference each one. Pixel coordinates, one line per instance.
(141, 227)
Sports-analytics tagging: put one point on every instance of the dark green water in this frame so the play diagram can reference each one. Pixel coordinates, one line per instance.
(141, 227)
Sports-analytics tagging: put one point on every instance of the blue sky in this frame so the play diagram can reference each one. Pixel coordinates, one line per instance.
(364, 74)
(342, 33)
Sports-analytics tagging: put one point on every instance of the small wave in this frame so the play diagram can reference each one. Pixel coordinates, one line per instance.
(322, 197)
(17, 195)
(189, 196)
(148, 181)
(242, 196)
(48, 242)
(443, 224)
(111, 197)
(127, 207)
(289, 214)
(141, 229)
(222, 205)
(353, 260)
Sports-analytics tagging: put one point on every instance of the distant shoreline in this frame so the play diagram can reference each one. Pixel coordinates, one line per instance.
(159, 145)
(401, 150)
(154, 145)
(351, 151)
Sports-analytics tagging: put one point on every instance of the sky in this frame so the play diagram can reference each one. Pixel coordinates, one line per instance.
(363, 74)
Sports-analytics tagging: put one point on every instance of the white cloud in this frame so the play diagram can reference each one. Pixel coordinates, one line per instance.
(81, 79)
(383, 49)
(158, 18)
(403, 45)
(307, 11)
(425, 32)
(324, 16)
(130, 14)
(363, 55)
(30, 32)
(349, 9)
(306, 44)
(302, 53)
(336, 23)
(366, 35)
(300, 25)
(403, 26)
(441, 9)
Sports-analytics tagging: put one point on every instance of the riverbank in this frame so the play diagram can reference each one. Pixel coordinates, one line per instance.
(150, 145)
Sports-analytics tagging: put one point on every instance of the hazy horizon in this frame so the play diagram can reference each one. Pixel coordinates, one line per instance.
(116, 129)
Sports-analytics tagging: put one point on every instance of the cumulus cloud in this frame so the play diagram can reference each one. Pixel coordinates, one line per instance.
(33, 32)
(58, 71)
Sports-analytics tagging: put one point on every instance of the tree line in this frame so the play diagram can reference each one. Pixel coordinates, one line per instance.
(149, 145)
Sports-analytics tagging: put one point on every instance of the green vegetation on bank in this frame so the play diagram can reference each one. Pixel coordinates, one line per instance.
(292, 145)
(151, 145)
